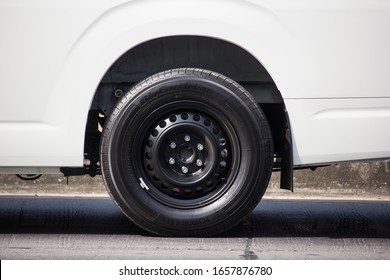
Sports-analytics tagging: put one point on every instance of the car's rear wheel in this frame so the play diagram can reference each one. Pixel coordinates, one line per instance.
(187, 152)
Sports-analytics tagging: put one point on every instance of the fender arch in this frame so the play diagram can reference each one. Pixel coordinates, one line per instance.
(249, 26)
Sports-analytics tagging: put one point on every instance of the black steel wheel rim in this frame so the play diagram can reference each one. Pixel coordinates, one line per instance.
(190, 156)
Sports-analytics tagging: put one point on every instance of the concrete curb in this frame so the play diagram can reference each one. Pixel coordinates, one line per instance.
(353, 181)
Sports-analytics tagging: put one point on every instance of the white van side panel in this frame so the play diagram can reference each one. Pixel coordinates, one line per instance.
(334, 130)
(54, 53)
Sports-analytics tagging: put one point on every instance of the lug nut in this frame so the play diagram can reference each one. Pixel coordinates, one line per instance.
(224, 153)
(199, 162)
(222, 164)
(200, 147)
(172, 160)
(184, 169)
(172, 145)
(187, 138)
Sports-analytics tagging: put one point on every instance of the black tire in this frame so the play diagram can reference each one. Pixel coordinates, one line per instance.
(29, 177)
(159, 175)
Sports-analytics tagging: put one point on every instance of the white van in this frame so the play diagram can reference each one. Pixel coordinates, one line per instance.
(186, 107)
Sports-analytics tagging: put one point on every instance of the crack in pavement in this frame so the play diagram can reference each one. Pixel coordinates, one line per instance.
(248, 253)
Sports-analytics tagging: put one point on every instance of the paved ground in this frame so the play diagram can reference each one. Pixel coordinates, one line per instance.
(93, 228)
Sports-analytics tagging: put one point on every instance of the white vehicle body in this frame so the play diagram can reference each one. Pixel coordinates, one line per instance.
(329, 59)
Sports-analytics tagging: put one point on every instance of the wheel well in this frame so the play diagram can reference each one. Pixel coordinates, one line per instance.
(212, 54)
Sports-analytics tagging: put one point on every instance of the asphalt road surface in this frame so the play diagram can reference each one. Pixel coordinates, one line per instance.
(93, 228)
